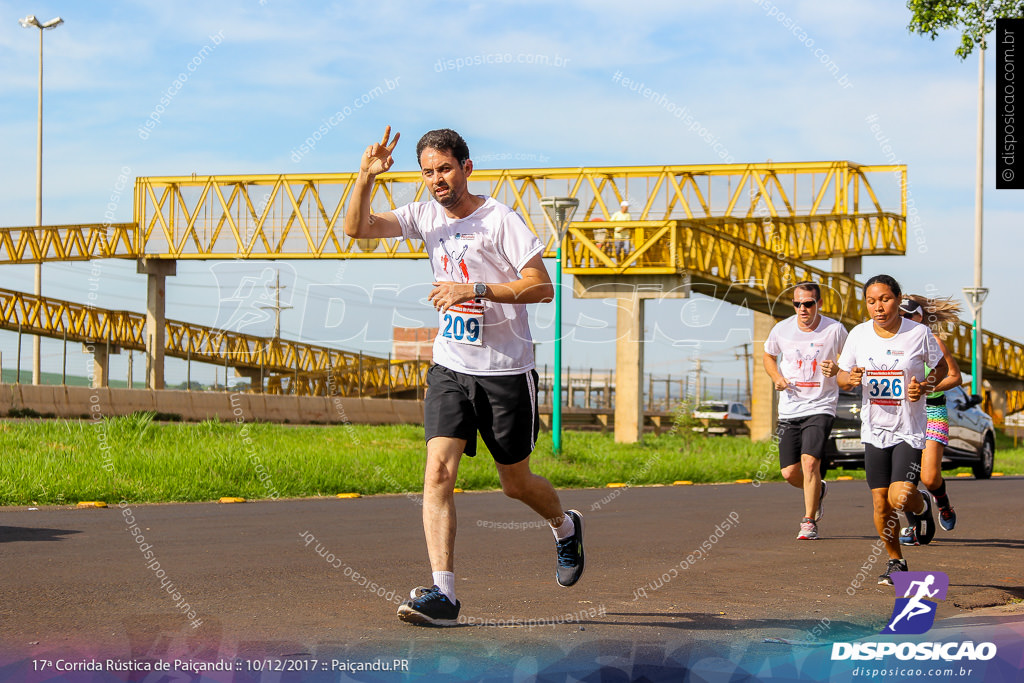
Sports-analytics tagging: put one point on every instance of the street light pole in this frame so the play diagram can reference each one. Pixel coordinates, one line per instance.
(31, 22)
(559, 212)
(976, 294)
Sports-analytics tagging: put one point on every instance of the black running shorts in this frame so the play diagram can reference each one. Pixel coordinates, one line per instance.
(884, 466)
(801, 435)
(502, 408)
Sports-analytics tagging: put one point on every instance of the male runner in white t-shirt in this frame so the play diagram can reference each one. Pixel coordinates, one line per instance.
(487, 266)
(799, 356)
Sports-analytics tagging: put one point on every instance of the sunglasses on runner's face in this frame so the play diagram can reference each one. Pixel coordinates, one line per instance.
(804, 304)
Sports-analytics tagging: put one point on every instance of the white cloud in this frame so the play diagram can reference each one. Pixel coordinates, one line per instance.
(757, 84)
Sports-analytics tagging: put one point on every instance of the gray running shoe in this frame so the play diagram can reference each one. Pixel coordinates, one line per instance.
(808, 530)
(570, 553)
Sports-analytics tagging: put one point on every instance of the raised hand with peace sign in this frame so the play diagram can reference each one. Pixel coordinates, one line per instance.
(377, 157)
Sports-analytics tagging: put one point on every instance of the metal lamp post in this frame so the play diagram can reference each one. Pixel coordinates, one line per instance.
(559, 211)
(975, 298)
(976, 294)
(31, 22)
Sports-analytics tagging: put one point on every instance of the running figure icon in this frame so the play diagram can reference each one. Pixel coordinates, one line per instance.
(915, 606)
(916, 601)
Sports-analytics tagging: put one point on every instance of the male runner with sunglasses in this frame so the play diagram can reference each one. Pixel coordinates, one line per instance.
(799, 356)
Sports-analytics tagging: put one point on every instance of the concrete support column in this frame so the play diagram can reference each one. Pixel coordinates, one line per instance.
(998, 395)
(254, 376)
(156, 318)
(847, 265)
(765, 405)
(629, 292)
(101, 353)
(629, 369)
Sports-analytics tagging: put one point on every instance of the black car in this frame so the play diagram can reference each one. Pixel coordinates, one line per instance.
(972, 441)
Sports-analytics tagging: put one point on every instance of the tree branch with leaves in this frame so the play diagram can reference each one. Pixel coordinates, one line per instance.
(977, 19)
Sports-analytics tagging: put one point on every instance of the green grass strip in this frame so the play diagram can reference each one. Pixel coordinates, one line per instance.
(56, 462)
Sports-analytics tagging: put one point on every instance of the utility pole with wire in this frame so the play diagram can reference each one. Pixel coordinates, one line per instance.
(277, 307)
(700, 385)
(746, 356)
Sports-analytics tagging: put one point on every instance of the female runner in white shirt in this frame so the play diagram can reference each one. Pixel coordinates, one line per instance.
(886, 356)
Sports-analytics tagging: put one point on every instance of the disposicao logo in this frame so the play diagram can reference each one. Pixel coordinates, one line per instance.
(914, 614)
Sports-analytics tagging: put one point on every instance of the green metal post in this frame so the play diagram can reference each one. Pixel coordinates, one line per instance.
(975, 389)
(556, 404)
(559, 211)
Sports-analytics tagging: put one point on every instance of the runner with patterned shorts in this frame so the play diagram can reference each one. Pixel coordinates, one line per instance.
(939, 313)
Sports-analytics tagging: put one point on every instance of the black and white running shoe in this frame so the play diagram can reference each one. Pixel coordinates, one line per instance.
(429, 607)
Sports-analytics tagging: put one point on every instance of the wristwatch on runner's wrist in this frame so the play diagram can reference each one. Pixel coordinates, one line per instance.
(479, 290)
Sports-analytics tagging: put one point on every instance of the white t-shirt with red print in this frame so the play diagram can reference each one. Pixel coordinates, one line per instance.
(492, 244)
(799, 355)
(888, 416)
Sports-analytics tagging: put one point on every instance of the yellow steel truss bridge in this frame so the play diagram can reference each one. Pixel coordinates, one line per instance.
(806, 210)
(740, 232)
(289, 366)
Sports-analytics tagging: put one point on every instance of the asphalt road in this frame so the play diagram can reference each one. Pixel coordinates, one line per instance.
(707, 571)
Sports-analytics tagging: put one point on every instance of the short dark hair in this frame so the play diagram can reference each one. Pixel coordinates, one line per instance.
(811, 287)
(443, 140)
(887, 280)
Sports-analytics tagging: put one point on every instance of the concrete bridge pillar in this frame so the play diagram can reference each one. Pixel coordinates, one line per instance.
(764, 402)
(849, 266)
(255, 377)
(156, 318)
(629, 368)
(101, 352)
(996, 394)
(629, 291)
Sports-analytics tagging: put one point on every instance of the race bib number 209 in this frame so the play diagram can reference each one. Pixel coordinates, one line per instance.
(463, 325)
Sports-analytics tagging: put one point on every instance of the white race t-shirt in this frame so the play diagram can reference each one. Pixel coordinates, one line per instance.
(888, 416)
(799, 356)
(490, 245)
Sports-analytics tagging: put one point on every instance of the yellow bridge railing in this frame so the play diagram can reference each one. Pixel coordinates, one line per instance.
(289, 366)
(742, 272)
(741, 230)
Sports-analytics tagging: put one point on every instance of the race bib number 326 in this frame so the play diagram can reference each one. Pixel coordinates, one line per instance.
(885, 387)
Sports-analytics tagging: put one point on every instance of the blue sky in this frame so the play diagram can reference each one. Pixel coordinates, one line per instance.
(756, 73)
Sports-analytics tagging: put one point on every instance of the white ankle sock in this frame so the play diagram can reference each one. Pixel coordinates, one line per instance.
(446, 582)
(566, 530)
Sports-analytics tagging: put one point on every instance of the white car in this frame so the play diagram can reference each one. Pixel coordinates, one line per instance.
(723, 417)
(720, 410)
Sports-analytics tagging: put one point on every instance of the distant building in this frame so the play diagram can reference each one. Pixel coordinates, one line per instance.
(413, 343)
